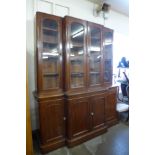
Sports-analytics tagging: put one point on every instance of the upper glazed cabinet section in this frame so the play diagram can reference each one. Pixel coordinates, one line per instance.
(108, 55)
(95, 58)
(75, 41)
(49, 52)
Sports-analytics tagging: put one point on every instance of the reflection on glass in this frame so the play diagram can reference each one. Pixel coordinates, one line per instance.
(108, 56)
(77, 55)
(95, 56)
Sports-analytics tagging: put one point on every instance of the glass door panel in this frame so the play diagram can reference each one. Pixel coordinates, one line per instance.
(77, 55)
(108, 36)
(95, 56)
(50, 54)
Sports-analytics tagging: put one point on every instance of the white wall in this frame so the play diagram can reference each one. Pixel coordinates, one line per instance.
(82, 9)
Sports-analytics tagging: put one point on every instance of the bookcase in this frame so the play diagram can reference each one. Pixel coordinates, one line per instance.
(74, 89)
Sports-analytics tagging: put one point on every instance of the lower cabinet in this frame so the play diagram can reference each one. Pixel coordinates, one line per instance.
(52, 124)
(86, 118)
(75, 118)
(98, 111)
(110, 107)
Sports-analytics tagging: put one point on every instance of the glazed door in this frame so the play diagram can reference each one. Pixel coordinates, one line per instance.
(75, 53)
(95, 68)
(49, 44)
(110, 105)
(108, 57)
(52, 120)
(78, 117)
(98, 111)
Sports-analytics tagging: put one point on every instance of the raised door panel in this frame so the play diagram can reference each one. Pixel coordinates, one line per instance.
(110, 106)
(79, 117)
(52, 121)
(75, 63)
(108, 55)
(49, 52)
(98, 111)
(95, 68)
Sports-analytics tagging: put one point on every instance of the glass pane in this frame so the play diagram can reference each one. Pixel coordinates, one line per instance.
(50, 82)
(50, 23)
(50, 54)
(95, 56)
(77, 33)
(50, 36)
(94, 78)
(107, 65)
(77, 80)
(108, 36)
(77, 55)
(108, 51)
(107, 76)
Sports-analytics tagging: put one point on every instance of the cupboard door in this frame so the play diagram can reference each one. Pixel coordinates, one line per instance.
(94, 54)
(108, 57)
(98, 111)
(110, 105)
(75, 53)
(49, 43)
(52, 120)
(78, 117)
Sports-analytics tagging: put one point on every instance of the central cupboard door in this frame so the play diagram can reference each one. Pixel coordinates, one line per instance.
(75, 53)
(79, 116)
(95, 57)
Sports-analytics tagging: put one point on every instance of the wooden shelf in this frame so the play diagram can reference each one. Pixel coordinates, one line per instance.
(94, 73)
(77, 45)
(50, 74)
(78, 74)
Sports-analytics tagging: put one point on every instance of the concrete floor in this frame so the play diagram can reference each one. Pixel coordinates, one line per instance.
(113, 142)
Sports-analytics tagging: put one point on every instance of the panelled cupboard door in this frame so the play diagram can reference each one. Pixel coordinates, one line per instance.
(98, 111)
(52, 120)
(95, 56)
(108, 55)
(49, 52)
(78, 117)
(110, 106)
(75, 55)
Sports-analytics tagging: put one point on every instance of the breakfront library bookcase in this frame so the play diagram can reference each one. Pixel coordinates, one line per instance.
(74, 89)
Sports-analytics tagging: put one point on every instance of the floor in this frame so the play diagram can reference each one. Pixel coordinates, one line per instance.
(113, 142)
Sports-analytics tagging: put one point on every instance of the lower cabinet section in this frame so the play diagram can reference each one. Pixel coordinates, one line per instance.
(52, 124)
(75, 118)
(110, 107)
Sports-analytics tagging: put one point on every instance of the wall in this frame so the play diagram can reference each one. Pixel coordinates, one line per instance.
(82, 9)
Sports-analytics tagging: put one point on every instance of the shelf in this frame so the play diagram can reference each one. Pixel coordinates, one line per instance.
(76, 59)
(77, 45)
(94, 73)
(51, 74)
(50, 29)
(78, 74)
(96, 38)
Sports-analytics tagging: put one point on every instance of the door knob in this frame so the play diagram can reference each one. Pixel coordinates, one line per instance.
(92, 113)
